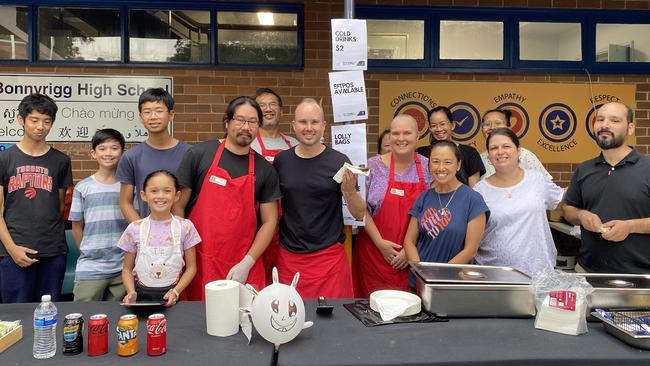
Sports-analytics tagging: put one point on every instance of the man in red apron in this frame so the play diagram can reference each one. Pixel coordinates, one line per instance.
(222, 184)
(270, 142)
(311, 228)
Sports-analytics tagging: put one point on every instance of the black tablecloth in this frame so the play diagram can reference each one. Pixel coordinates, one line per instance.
(342, 340)
(187, 340)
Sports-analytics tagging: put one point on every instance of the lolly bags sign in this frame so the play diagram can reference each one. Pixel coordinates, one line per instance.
(348, 91)
(349, 44)
(350, 139)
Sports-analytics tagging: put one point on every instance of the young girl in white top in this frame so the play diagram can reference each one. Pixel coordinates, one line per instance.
(159, 246)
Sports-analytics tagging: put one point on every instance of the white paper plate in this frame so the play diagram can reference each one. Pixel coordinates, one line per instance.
(389, 298)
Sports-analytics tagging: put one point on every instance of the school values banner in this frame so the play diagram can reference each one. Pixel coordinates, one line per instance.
(555, 121)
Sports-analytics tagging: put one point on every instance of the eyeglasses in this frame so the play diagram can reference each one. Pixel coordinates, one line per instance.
(493, 124)
(270, 105)
(150, 112)
(241, 121)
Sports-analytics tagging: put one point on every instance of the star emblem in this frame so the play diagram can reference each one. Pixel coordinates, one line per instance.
(557, 122)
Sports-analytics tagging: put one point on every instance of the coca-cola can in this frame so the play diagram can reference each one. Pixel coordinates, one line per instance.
(156, 335)
(98, 335)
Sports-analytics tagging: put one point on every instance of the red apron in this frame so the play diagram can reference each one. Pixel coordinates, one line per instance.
(269, 258)
(370, 269)
(322, 273)
(269, 154)
(225, 217)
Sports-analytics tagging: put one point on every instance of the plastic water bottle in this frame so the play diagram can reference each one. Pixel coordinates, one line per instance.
(45, 318)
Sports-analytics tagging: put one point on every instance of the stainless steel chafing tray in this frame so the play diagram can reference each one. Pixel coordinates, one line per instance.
(454, 290)
(618, 290)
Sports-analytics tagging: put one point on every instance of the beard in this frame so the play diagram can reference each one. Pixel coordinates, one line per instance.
(612, 143)
(244, 139)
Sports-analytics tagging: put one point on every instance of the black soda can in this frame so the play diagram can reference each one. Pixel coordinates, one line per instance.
(73, 334)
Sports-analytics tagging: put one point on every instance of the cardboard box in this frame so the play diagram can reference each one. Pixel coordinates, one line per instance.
(10, 338)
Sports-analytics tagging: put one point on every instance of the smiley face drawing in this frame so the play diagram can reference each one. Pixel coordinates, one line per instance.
(278, 311)
(283, 321)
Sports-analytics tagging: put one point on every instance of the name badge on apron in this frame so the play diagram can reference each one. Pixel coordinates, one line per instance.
(220, 181)
(397, 192)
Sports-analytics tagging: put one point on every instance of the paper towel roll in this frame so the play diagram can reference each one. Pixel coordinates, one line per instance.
(222, 307)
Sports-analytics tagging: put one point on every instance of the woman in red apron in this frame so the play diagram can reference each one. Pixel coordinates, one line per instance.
(269, 258)
(225, 217)
(372, 268)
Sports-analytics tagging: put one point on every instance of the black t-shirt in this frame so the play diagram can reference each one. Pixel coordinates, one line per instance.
(311, 200)
(31, 194)
(613, 193)
(471, 160)
(199, 158)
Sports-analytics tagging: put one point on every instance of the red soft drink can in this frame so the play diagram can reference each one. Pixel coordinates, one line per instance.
(98, 335)
(156, 335)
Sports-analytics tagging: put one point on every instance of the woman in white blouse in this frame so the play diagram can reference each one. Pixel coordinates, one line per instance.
(517, 234)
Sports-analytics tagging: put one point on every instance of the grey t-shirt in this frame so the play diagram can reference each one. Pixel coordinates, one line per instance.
(142, 159)
(277, 143)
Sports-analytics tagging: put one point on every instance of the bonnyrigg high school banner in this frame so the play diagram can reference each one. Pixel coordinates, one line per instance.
(555, 121)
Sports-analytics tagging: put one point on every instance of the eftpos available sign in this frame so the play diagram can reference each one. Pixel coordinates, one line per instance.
(86, 103)
(348, 91)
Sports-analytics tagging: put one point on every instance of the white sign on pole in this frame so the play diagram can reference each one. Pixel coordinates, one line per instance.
(348, 91)
(86, 103)
(349, 44)
(350, 139)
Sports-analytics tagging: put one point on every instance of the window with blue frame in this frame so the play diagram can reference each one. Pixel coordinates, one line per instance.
(200, 32)
(169, 36)
(511, 40)
(78, 34)
(14, 32)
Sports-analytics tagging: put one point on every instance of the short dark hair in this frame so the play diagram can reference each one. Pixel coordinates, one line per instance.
(106, 134)
(261, 91)
(241, 100)
(459, 156)
(380, 139)
(171, 175)
(502, 131)
(40, 103)
(506, 114)
(630, 114)
(156, 95)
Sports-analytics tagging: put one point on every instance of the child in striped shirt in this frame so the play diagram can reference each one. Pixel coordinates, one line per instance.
(98, 223)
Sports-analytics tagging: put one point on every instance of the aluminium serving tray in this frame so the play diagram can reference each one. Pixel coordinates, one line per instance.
(614, 290)
(453, 290)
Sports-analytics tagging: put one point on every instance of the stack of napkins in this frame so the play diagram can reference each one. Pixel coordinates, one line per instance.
(562, 312)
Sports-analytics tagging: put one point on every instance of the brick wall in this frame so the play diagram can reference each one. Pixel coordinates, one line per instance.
(202, 94)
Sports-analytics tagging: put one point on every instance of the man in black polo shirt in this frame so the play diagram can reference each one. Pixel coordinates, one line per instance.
(609, 197)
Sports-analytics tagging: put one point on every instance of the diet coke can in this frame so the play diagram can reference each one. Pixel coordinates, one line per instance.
(156, 335)
(98, 335)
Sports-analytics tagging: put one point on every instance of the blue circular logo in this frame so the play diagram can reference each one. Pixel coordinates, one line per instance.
(418, 111)
(557, 122)
(466, 121)
(591, 119)
(519, 120)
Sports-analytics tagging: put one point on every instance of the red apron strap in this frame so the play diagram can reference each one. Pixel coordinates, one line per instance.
(286, 140)
(418, 166)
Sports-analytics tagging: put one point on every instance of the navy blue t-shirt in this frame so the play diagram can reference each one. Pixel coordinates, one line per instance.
(442, 230)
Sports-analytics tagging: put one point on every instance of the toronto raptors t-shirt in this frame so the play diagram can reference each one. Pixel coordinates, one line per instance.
(31, 194)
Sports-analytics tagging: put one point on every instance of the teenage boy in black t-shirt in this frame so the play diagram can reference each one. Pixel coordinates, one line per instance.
(33, 180)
